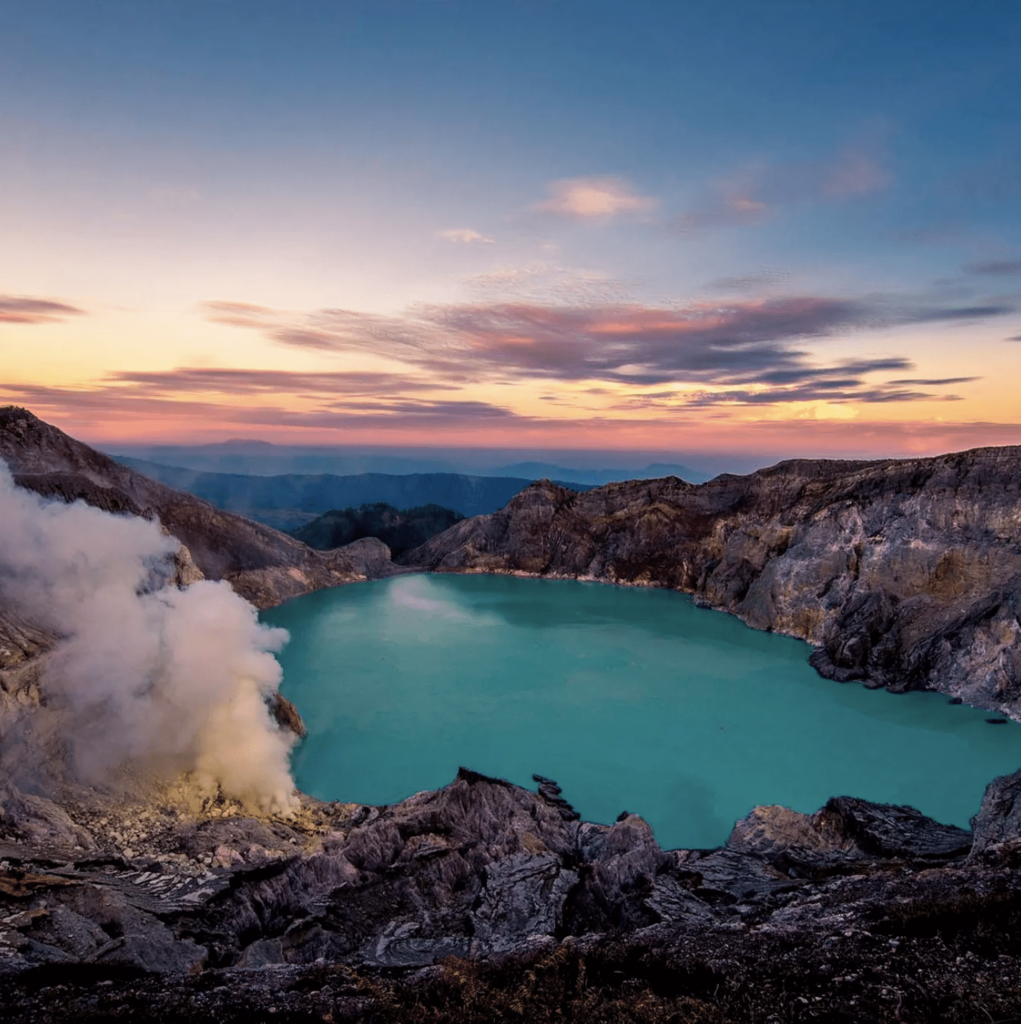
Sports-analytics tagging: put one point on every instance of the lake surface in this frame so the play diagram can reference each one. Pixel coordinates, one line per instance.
(630, 698)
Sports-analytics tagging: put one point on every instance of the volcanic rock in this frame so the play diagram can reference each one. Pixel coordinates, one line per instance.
(903, 573)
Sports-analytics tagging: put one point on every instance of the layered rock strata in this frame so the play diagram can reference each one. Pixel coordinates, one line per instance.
(905, 574)
(483, 870)
(478, 868)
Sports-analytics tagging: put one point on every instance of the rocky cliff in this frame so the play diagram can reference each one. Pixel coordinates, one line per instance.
(906, 574)
(263, 565)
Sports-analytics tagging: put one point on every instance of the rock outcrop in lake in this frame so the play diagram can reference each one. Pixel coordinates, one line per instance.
(903, 573)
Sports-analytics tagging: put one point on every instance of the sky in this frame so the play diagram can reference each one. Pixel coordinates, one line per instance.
(789, 227)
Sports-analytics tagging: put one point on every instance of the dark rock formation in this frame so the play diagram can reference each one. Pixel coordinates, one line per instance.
(550, 792)
(998, 823)
(399, 529)
(479, 867)
(486, 870)
(906, 574)
(286, 715)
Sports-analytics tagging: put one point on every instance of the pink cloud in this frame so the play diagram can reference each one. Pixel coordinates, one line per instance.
(19, 309)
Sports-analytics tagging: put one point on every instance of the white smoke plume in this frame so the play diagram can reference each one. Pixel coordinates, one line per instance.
(147, 677)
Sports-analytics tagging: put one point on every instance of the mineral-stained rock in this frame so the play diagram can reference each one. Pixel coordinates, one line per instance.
(906, 574)
(998, 822)
(484, 870)
(286, 715)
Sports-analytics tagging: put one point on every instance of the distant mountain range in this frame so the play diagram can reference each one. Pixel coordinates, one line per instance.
(292, 500)
(259, 458)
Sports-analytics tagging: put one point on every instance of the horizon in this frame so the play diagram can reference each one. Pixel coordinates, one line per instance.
(705, 464)
(707, 231)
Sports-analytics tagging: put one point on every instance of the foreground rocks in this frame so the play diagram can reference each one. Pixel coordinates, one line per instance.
(903, 573)
(858, 912)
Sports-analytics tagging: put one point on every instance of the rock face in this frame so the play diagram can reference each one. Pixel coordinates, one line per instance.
(906, 574)
(478, 868)
(858, 910)
(263, 565)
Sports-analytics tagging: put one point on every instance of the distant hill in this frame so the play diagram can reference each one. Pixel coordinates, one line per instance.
(399, 530)
(598, 477)
(292, 500)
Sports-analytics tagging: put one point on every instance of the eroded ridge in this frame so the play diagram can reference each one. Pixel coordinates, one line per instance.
(903, 573)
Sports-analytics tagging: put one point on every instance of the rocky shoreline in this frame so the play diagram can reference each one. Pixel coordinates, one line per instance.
(859, 912)
(903, 574)
(486, 901)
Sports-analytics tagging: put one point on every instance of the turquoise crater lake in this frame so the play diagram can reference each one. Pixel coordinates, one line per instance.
(630, 698)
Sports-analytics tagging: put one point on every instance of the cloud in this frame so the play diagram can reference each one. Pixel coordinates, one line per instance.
(760, 192)
(833, 392)
(229, 381)
(748, 282)
(113, 402)
(854, 172)
(456, 409)
(995, 267)
(847, 368)
(15, 309)
(937, 382)
(841, 383)
(955, 313)
(738, 341)
(1013, 337)
(596, 198)
(237, 314)
(465, 236)
(722, 211)
(548, 282)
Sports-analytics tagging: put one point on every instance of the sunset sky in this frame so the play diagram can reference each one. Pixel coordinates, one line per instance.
(770, 226)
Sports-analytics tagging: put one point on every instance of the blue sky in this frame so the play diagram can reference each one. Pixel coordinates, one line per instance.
(836, 187)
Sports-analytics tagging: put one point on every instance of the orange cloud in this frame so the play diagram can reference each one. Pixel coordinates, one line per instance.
(466, 236)
(597, 198)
